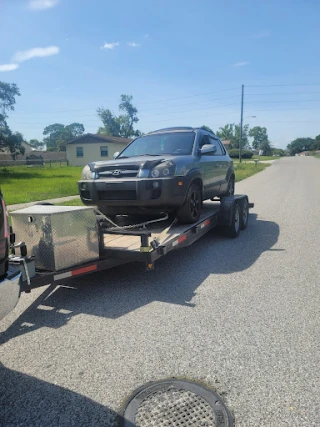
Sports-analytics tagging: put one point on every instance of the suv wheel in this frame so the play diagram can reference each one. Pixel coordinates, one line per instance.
(191, 209)
(230, 189)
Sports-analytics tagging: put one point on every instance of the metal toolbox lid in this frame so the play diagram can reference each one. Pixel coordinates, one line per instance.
(49, 209)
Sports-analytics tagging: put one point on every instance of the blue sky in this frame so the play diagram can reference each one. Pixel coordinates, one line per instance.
(183, 61)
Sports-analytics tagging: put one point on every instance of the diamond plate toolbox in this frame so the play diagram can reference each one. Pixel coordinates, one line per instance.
(58, 236)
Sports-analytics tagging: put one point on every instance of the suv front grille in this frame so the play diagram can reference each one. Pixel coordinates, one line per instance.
(117, 195)
(128, 171)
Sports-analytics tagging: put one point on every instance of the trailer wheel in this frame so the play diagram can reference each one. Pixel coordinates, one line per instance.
(244, 215)
(233, 230)
(191, 209)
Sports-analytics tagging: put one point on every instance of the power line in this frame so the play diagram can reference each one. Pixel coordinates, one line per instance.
(275, 102)
(194, 109)
(283, 93)
(161, 108)
(189, 96)
(157, 114)
(288, 85)
(153, 102)
(191, 103)
(286, 109)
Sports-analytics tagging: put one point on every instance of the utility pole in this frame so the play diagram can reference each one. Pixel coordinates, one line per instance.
(241, 123)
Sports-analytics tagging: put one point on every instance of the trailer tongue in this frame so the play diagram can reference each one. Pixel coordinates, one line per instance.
(66, 242)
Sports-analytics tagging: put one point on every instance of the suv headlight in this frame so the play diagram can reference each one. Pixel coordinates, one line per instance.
(165, 169)
(87, 173)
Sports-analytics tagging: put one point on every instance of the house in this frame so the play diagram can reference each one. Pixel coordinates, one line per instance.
(27, 149)
(226, 143)
(91, 148)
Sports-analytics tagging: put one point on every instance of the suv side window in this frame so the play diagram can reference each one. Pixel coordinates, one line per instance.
(216, 142)
(204, 140)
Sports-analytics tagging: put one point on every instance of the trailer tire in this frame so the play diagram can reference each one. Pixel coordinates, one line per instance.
(244, 215)
(233, 230)
(190, 211)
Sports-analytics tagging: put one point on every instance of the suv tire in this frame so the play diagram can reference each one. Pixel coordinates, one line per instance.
(230, 189)
(191, 209)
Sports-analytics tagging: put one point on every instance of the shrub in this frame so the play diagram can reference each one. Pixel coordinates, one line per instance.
(245, 154)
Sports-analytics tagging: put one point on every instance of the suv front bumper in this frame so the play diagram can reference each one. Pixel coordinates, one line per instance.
(163, 192)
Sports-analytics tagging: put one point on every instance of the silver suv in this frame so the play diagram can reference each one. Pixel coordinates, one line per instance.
(169, 170)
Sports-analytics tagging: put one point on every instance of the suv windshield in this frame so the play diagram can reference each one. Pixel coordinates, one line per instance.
(177, 143)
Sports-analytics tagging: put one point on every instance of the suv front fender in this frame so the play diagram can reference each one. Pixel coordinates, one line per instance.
(194, 175)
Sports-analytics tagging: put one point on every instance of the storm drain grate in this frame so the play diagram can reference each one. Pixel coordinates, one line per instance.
(175, 403)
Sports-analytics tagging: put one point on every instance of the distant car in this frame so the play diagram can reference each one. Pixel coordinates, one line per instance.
(169, 170)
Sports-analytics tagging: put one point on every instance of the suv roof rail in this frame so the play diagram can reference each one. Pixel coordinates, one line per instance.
(173, 128)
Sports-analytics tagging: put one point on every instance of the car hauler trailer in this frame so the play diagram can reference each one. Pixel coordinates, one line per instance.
(61, 242)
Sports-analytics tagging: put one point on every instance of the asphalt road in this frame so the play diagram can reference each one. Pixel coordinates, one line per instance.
(241, 315)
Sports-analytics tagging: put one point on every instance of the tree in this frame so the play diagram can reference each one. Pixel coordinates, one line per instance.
(35, 143)
(204, 127)
(226, 132)
(122, 125)
(316, 143)
(299, 145)
(8, 139)
(266, 148)
(231, 132)
(259, 136)
(58, 135)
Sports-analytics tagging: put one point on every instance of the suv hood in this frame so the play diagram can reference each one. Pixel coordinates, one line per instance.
(139, 162)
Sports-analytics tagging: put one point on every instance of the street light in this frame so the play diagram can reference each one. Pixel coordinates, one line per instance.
(248, 117)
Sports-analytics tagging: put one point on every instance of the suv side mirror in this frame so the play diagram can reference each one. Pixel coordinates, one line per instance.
(208, 149)
(116, 154)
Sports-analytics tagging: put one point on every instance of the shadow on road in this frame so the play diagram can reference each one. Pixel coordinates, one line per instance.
(116, 292)
(28, 401)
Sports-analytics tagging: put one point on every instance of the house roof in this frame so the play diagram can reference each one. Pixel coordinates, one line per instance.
(101, 138)
(226, 142)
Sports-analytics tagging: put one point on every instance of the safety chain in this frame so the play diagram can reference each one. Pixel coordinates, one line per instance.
(128, 227)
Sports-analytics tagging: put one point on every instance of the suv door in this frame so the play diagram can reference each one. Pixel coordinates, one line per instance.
(209, 168)
(221, 162)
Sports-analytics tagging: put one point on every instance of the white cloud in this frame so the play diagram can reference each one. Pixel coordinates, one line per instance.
(36, 52)
(8, 67)
(133, 44)
(42, 4)
(240, 64)
(110, 45)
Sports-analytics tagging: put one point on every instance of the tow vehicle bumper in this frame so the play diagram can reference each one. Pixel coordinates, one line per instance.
(9, 292)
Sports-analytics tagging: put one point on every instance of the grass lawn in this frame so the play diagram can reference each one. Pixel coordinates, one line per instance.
(22, 184)
(244, 170)
(317, 157)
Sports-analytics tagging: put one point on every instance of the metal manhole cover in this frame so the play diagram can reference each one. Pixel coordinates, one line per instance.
(175, 403)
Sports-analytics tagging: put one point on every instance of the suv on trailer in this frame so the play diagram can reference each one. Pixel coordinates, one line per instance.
(169, 170)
